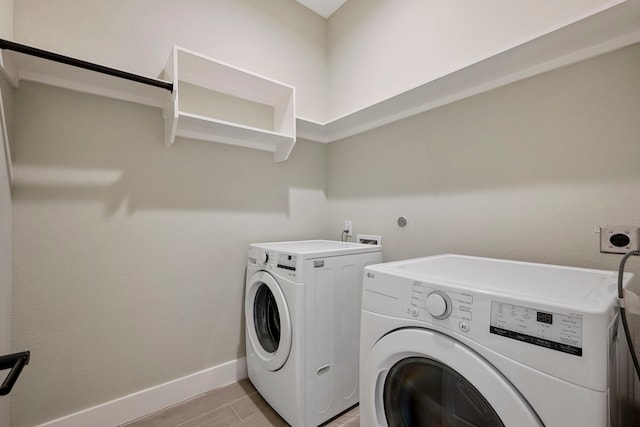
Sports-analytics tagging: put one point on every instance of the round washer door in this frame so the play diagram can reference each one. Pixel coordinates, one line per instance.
(268, 320)
(421, 378)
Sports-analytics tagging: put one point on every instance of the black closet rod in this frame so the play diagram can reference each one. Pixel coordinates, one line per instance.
(28, 50)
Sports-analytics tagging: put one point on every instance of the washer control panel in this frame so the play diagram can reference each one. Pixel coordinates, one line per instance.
(429, 304)
(561, 332)
(283, 263)
(287, 261)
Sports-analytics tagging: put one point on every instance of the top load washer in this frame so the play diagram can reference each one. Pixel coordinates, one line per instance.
(457, 340)
(302, 315)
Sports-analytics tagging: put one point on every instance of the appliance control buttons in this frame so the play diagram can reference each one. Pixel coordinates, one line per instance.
(415, 311)
(464, 326)
(438, 304)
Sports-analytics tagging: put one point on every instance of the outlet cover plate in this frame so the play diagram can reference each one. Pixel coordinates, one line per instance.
(619, 239)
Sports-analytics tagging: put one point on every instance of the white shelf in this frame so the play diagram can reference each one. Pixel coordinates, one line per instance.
(229, 105)
(211, 101)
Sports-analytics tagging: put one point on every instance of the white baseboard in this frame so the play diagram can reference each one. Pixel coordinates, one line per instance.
(143, 402)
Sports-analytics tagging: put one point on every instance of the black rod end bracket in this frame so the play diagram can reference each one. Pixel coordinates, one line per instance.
(15, 362)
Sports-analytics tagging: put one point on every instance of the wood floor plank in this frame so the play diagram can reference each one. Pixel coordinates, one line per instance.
(221, 417)
(266, 418)
(192, 408)
(250, 405)
(355, 422)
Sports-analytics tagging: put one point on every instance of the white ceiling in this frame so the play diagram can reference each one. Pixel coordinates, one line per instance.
(322, 7)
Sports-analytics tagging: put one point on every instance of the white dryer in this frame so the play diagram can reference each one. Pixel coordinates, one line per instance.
(454, 340)
(302, 315)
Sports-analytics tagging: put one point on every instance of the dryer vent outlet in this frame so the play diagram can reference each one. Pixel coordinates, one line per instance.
(619, 239)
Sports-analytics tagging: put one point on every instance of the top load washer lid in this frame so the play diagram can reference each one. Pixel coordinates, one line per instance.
(589, 289)
(310, 249)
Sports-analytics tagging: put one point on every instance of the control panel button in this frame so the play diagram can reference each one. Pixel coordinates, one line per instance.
(464, 326)
(438, 305)
(415, 311)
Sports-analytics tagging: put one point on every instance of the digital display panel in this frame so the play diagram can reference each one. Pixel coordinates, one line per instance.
(543, 317)
(555, 331)
(286, 261)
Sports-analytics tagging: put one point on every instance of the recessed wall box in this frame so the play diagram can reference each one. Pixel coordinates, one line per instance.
(369, 239)
(619, 239)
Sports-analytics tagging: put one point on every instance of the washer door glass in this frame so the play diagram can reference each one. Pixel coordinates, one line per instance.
(420, 377)
(266, 318)
(421, 392)
(269, 332)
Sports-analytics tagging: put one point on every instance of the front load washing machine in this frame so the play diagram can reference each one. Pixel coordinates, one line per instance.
(302, 315)
(454, 340)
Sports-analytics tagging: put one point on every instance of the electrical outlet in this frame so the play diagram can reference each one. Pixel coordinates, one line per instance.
(620, 239)
(348, 226)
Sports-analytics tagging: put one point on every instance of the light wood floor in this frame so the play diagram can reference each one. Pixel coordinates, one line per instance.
(235, 405)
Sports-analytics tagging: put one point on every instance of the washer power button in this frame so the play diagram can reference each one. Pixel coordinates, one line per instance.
(415, 311)
(464, 326)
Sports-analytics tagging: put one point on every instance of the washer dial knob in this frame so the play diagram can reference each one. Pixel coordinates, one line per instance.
(438, 304)
(263, 258)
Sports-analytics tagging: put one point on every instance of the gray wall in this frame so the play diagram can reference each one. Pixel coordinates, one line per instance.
(527, 172)
(129, 258)
(6, 32)
(6, 19)
(5, 246)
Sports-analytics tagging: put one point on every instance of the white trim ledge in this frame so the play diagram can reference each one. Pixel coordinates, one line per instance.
(147, 401)
(605, 30)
